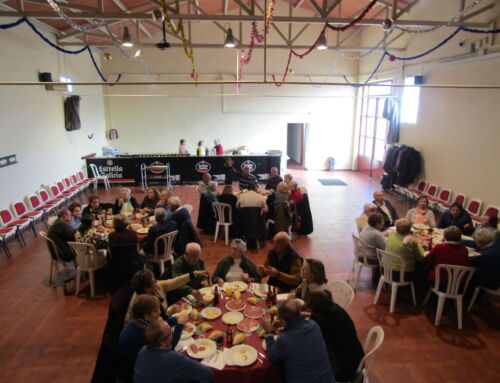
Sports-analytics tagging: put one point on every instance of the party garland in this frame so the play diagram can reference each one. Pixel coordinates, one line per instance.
(73, 25)
(354, 21)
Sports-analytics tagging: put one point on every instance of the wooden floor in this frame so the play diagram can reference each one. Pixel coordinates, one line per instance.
(48, 337)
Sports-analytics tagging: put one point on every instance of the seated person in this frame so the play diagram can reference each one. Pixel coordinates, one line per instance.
(372, 238)
(144, 282)
(385, 208)
(236, 266)
(163, 226)
(407, 247)
(300, 347)
(274, 179)
(457, 216)
(487, 273)
(180, 214)
(295, 193)
(165, 195)
(283, 264)
(313, 279)
(211, 193)
(245, 177)
(146, 309)
(159, 362)
(76, 214)
(490, 222)
(62, 233)
(362, 220)
(87, 233)
(189, 262)
(202, 185)
(125, 202)
(287, 178)
(344, 349)
(450, 252)
(96, 208)
(252, 199)
(150, 201)
(421, 214)
(280, 195)
(229, 198)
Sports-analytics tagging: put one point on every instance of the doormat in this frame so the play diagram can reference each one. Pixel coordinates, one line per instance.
(331, 182)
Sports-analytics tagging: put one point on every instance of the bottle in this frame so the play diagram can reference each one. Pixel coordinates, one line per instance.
(216, 296)
(229, 336)
(274, 296)
(269, 293)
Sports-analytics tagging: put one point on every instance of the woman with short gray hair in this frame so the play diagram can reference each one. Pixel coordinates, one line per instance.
(236, 266)
(125, 203)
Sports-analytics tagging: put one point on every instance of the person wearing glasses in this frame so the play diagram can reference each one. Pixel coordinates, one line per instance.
(236, 266)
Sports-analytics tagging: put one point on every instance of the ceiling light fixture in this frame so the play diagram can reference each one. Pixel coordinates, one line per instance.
(164, 44)
(322, 43)
(126, 39)
(229, 42)
(138, 52)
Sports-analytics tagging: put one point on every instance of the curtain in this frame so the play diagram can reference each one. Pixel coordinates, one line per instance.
(72, 113)
(392, 113)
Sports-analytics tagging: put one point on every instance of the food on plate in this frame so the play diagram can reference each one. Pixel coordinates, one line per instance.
(253, 311)
(195, 314)
(143, 230)
(215, 334)
(261, 332)
(235, 305)
(248, 324)
(239, 338)
(206, 326)
(273, 310)
(189, 328)
(237, 294)
(232, 317)
(188, 331)
(194, 348)
(236, 286)
(210, 313)
(252, 300)
(207, 299)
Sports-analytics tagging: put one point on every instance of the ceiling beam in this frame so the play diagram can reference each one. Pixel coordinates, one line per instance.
(126, 10)
(64, 5)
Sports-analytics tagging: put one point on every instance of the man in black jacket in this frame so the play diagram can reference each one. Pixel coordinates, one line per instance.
(62, 233)
(163, 226)
(385, 208)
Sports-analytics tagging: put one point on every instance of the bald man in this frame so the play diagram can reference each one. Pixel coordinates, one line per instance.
(189, 262)
(385, 208)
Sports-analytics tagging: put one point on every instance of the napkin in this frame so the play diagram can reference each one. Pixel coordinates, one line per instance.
(227, 357)
(281, 297)
(183, 343)
(216, 360)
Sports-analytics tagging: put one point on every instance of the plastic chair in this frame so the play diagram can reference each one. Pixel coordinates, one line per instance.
(366, 362)
(47, 200)
(421, 188)
(168, 250)
(490, 210)
(98, 176)
(342, 292)
(20, 211)
(220, 215)
(8, 220)
(476, 292)
(359, 254)
(458, 278)
(82, 180)
(460, 198)
(474, 207)
(35, 204)
(4, 246)
(387, 262)
(443, 197)
(55, 256)
(87, 259)
(432, 191)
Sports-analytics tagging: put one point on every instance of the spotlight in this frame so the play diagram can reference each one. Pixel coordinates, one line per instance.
(138, 52)
(322, 43)
(387, 24)
(107, 56)
(158, 15)
(164, 44)
(229, 43)
(126, 39)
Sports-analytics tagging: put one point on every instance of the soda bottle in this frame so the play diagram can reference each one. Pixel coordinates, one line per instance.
(216, 296)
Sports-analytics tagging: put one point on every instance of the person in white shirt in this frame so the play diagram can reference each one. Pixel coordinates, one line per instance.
(385, 208)
(203, 184)
(362, 220)
(251, 199)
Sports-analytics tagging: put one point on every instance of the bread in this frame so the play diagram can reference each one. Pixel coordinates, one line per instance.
(205, 326)
(239, 338)
(252, 300)
(215, 334)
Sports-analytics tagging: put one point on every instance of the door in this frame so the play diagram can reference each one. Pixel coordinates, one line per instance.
(295, 142)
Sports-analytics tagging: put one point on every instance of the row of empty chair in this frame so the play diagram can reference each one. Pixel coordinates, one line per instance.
(37, 206)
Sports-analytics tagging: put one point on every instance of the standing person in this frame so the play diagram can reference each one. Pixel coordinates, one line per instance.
(300, 346)
(219, 150)
(457, 216)
(183, 149)
(76, 215)
(385, 208)
(125, 203)
(150, 200)
(200, 150)
(421, 214)
(62, 233)
(273, 180)
(245, 177)
(313, 279)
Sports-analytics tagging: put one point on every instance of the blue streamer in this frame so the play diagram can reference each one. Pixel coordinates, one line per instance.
(471, 30)
(14, 24)
(371, 76)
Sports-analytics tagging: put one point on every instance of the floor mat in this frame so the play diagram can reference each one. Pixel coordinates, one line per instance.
(331, 182)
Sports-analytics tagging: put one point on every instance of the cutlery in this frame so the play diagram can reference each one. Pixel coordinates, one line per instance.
(262, 355)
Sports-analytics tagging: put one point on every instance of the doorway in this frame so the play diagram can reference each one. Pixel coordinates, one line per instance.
(296, 146)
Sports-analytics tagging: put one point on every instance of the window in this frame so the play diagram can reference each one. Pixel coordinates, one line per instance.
(410, 101)
(67, 80)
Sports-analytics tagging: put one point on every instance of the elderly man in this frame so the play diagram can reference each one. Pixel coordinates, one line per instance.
(158, 362)
(362, 220)
(125, 202)
(245, 177)
(372, 239)
(300, 346)
(202, 185)
(146, 309)
(190, 262)
(487, 273)
(163, 226)
(385, 208)
(252, 199)
(273, 180)
(62, 233)
(180, 214)
(282, 264)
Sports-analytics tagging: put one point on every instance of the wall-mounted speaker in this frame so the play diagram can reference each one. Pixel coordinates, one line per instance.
(46, 77)
(419, 80)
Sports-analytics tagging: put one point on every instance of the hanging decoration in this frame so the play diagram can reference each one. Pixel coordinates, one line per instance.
(488, 31)
(354, 21)
(371, 75)
(92, 27)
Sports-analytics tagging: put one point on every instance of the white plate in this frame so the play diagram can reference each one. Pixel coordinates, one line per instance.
(232, 309)
(186, 309)
(143, 230)
(185, 334)
(251, 329)
(210, 348)
(211, 313)
(209, 291)
(236, 285)
(256, 316)
(243, 355)
(232, 317)
(260, 289)
(421, 226)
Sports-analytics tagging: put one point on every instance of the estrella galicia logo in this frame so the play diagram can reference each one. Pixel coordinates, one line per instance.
(251, 164)
(157, 171)
(109, 162)
(202, 167)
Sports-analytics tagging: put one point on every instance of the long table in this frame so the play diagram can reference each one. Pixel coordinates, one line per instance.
(127, 169)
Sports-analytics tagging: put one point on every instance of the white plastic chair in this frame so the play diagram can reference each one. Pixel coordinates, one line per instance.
(220, 214)
(87, 259)
(359, 254)
(168, 251)
(476, 292)
(98, 176)
(53, 251)
(366, 362)
(189, 208)
(458, 280)
(388, 261)
(342, 292)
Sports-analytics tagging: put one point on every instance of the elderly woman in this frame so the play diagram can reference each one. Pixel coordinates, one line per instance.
(313, 279)
(362, 220)
(149, 202)
(236, 266)
(87, 233)
(125, 203)
(211, 193)
(457, 216)
(281, 194)
(96, 208)
(76, 215)
(421, 214)
(287, 178)
(403, 244)
(165, 195)
(295, 193)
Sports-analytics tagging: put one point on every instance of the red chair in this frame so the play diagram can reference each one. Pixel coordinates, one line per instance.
(47, 200)
(421, 188)
(36, 204)
(8, 220)
(76, 182)
(81, 178)
(55, 193)
(443, 197)
(20, 211)
(70, 187)
(490, 210)
(5, 234)
(474, 207)
(63, 191)
(432, 191)
(459, 198)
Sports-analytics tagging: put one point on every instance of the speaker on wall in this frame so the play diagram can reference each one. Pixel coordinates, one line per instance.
(46, 77)
(419, 80)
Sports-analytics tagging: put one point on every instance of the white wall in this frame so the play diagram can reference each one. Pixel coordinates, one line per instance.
(33, 119)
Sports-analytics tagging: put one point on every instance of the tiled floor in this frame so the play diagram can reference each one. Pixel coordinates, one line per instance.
(48, 337)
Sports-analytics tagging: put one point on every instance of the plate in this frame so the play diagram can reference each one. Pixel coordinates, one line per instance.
(254, 312)
(232, 317)
(243, 355)
(235, 305)
(143, 230)
(127, 213)
(211, 313)
(260, 289)
(248, 325)
(140, 216)
(188, 331)
(136, 226)
(421, 226)
(236, 285)
(467, 238)
(186, 309)
(209, 348)
(207, 291)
